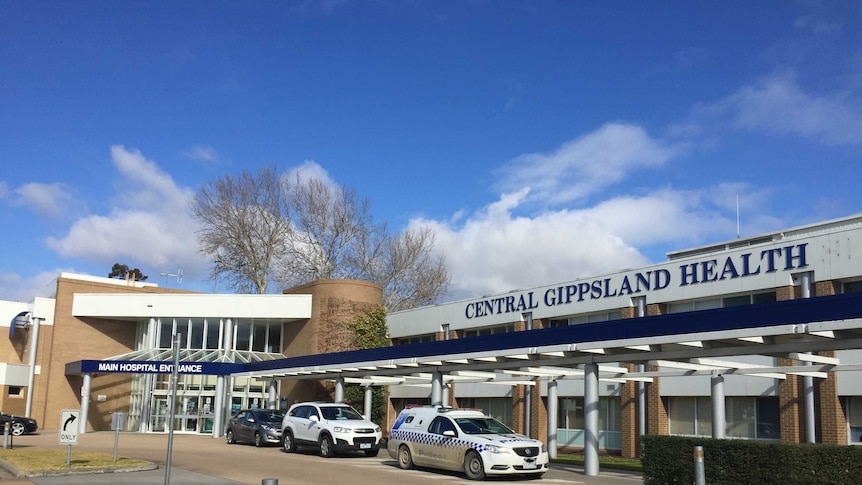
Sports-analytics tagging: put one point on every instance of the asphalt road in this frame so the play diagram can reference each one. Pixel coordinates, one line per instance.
(197, 459)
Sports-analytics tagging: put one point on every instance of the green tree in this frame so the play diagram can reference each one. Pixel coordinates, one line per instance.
(370, 331)
(121, 271)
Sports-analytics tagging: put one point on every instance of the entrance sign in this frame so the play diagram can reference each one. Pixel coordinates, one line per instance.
(69, 426)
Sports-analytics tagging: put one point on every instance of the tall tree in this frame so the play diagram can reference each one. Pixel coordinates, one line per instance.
(122, 271)
(244, 222)
(324, 232)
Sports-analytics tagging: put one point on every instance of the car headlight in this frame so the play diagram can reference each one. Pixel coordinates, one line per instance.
(377, 429)
(271, 429)
(544, 448)
(497, 449)
(341, 429)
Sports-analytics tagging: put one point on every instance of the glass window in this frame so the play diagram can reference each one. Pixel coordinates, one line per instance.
(763, 297)
(571, 413)
(499, 408)
(768, 418)
(682, 414)
(166, 332)
(243, 336)
(853, 287)
(273, 341)
(212, 332)
(739, 412)
(258, 343)
(703, 423)
(736, 300)
(196, 334)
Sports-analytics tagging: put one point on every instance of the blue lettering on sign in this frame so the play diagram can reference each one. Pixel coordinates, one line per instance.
(787, 258)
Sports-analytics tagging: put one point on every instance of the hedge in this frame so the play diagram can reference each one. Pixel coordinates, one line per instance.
(669, 460)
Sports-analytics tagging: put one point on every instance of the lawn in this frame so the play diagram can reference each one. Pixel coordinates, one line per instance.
(605, 461)
(37, 461)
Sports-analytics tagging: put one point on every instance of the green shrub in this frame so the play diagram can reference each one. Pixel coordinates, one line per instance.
(670, 459)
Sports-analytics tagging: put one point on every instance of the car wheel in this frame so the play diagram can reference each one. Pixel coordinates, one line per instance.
(326, 449)
(372, 452)
(229, 436)
(405, 459)
(258, 441)
(17, 429)
(473, 466)
(287, 444)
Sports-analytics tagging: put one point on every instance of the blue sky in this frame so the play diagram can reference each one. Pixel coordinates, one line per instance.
(543, 141)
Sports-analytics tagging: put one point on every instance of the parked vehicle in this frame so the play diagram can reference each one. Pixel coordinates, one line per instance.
(463, 440)
(331, 428)
(18, 424)
(258, 426)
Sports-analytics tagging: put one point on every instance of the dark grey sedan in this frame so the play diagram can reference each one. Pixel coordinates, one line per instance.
(258, 426)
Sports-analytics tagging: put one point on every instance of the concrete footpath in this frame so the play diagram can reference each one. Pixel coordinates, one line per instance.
(197, 459)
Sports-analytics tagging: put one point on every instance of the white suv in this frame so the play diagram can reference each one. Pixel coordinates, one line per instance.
(332, 428)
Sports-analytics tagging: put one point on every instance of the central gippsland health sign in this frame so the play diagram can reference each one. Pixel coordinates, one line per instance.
(69, 426)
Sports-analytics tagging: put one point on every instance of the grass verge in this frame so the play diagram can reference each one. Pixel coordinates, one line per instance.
(605, 461)
(36, 461)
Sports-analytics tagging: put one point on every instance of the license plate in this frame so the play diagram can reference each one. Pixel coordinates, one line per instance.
(529, 464)
(368, 445)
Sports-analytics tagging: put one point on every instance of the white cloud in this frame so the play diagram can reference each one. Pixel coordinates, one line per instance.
(4, 189)
(585, 165)
(49, 200)
(311, 170)
(493, 251)
(14, 287)
(779, 105)
(203, 152)
(150, 225)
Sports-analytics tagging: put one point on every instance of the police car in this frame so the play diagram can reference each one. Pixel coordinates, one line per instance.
(462, 439)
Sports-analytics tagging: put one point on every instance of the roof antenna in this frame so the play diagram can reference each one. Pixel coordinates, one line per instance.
(179, 276)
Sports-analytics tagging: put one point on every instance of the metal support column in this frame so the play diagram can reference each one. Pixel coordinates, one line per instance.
(339, 389)
(218, 406)
(436, 388)
(719, 423)
(552, 418)
(528, 391)
(85, 403)
(591, 420)
(369, 392)
(31, 377)
(272, 399)
(808, 381)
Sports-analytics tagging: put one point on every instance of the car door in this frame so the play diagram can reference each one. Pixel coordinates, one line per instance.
(305, 426)
(441, 448)
(240, 426)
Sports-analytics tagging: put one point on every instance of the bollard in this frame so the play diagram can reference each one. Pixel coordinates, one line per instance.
(6, 436)
(269, 481)
(699, 475)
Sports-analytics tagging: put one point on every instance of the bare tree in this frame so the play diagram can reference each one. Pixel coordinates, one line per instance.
(411, 275)
(313, 230)
(244, 222)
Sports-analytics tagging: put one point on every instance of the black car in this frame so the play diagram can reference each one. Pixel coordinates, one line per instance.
(18, 424)
(258, 426)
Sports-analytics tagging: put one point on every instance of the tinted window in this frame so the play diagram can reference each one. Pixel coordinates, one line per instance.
(440, 425)
(482, 426)
(339, 413)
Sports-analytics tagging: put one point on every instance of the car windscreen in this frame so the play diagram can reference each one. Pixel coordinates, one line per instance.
(269, 416)
(482, 426)
(339, 413)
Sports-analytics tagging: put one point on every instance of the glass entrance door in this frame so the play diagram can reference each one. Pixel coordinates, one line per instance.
(189, 415)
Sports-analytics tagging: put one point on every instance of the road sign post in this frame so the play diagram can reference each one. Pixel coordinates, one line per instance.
(69, 430)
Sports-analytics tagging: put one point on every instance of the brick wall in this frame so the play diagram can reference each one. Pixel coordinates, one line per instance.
(657, 421)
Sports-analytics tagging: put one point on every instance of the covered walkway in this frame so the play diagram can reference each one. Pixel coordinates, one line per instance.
(694, 343)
